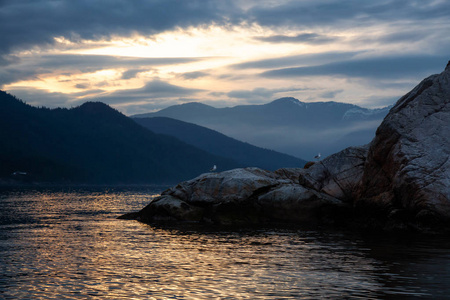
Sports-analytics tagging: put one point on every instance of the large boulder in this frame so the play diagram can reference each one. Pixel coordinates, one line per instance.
(339, 175)
(406, 180)
(229, 186)
(242, 197)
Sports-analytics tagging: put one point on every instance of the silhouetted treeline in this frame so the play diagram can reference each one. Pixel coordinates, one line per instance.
(92, 143)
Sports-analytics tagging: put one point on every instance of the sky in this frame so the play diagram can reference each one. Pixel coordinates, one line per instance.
(140, 56)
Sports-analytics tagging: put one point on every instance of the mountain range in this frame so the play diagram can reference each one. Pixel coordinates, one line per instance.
(94, 143)
(286, 125)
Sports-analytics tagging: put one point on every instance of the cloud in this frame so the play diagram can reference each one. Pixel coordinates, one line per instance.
(41, 97)
(6, 60)
(330, 94)
(37, 97)
(91, 63)
(153, 89)
(30, 67)
(130, 109)
(154, 95)
(217, 94)
(309, 38)
(193, 75)
(130, 74)
(386, 67)
(295, 60)
(249, 94)
(379, 102)
(82, 86)
(370, 31)
(28, 23)
(347, 13)
(260, 93)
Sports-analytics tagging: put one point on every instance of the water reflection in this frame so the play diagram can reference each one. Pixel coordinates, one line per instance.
(68, 244)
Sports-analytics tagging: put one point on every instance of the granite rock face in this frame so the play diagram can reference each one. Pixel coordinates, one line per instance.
(339, 175)
(400, 181)
(240, 197)
(407, 171)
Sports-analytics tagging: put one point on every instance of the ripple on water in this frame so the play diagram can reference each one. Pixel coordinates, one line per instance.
(58, 244)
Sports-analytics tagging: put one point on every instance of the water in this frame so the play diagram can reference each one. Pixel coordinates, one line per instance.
(66, 243)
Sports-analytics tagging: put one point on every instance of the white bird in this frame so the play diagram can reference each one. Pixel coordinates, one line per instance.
(317, 156)
(213, 168)
(19, 173)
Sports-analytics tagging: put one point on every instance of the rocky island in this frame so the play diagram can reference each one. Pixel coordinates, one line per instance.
(399, 181)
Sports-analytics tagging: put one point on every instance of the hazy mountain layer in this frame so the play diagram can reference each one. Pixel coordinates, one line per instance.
(286, 125)
(218, 144)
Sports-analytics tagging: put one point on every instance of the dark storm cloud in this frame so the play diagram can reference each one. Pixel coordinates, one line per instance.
(309, 38)
(9, 75)
(377, 68)
(26, 23)
(401, 37)
(295, 60)
(6, 60)
(153, 89)
(348, 12)
(90, 63)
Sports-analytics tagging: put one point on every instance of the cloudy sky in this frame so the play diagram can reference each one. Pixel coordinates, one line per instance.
(144, 55)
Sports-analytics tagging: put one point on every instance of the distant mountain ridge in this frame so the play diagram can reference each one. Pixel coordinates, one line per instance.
(218, 144)
(92, 143)
(286, 125)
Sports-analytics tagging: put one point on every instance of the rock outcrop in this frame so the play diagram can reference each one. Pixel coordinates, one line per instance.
(406, 180)
(321, 194)
(242, 197)
(400, 181)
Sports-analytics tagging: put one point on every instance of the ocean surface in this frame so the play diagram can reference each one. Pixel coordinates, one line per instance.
(66, 243)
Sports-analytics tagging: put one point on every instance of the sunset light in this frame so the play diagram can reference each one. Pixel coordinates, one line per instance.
(224, 149)
(223, 56)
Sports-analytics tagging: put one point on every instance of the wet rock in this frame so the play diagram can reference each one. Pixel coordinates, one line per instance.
(294, 203)
(169, 209)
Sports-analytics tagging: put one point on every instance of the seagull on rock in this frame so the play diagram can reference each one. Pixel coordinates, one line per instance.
(317, 156)
(213, 168)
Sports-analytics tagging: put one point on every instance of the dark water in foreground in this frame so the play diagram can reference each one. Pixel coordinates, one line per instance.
(66, 243)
